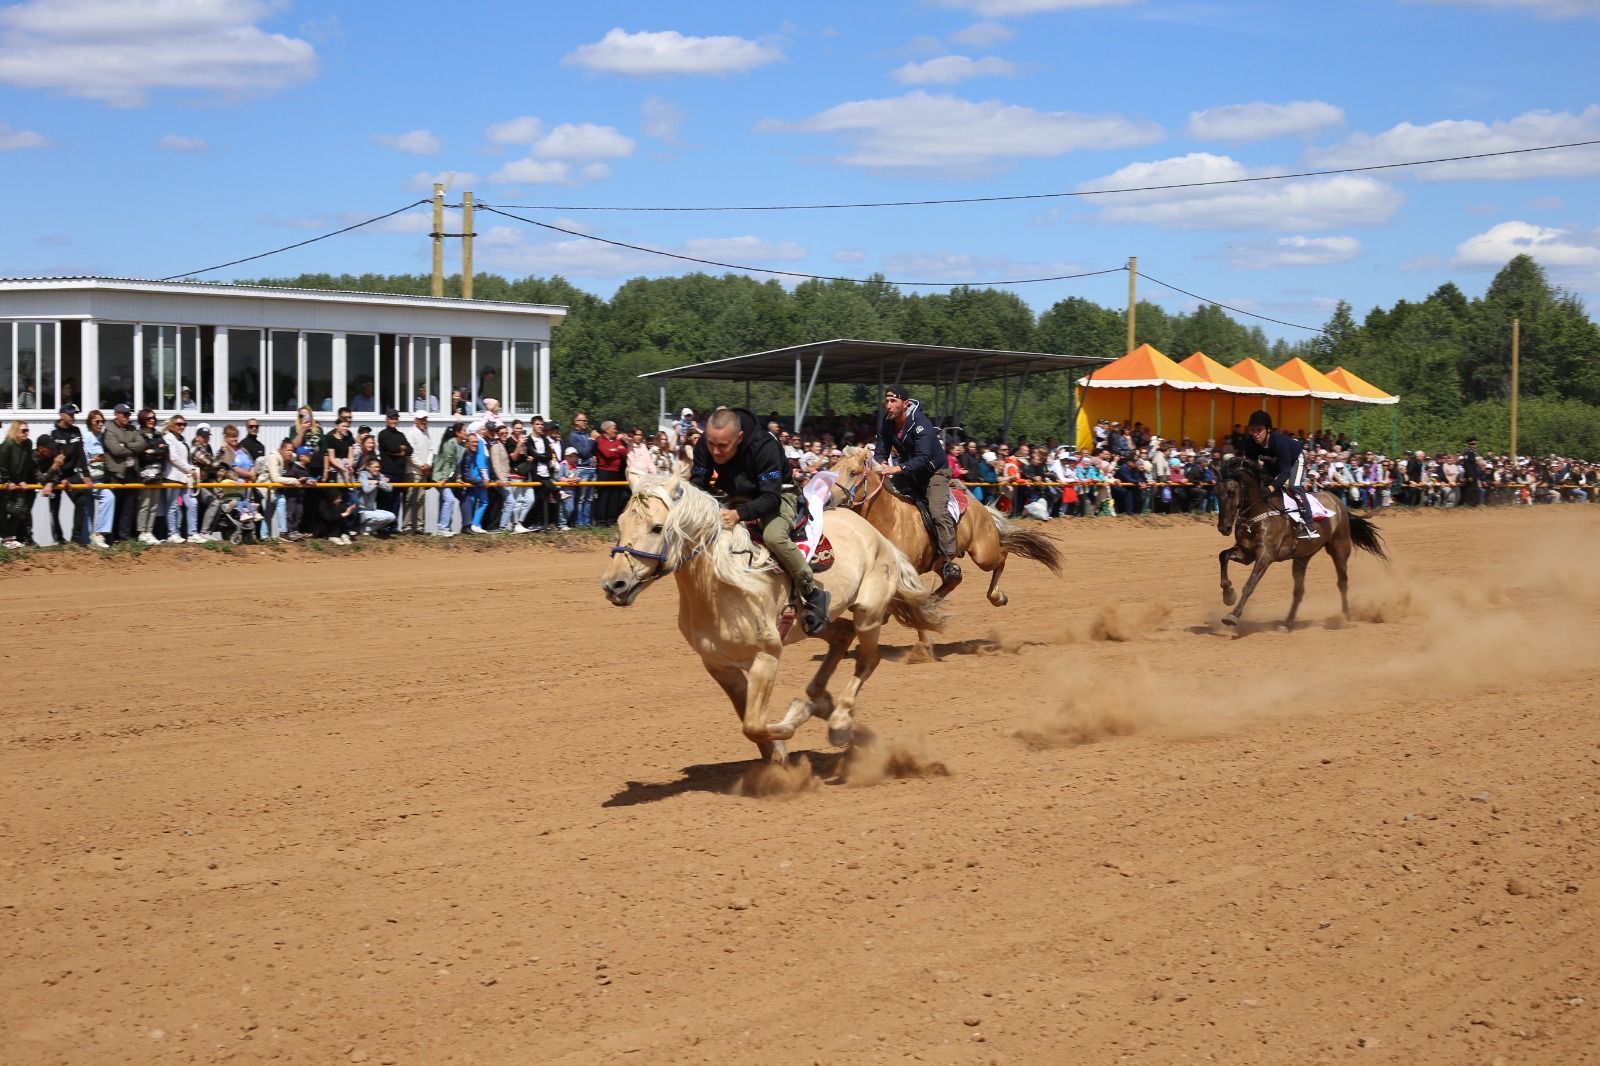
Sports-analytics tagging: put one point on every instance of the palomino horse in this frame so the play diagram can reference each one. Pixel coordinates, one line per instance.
(982, 534)
(1263, 534)
(730, 594)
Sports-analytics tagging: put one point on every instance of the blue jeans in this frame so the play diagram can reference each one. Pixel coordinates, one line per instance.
(447, 508)
(476, 503)
(105, 511)
(178, 502)
(584, 506)
(518, 500)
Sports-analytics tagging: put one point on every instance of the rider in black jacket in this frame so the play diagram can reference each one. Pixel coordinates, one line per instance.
(1283, 461)
(749, 468)
(924, 471)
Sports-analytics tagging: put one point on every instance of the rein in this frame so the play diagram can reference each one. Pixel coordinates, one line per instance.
(858, 506)
(660, 557)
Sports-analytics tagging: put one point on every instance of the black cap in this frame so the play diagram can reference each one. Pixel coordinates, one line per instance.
(68, 409)
(122, 409)
(391, 413)
(1261, 418)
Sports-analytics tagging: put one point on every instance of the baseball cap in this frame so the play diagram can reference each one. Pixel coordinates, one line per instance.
(571, 451)
(419, 413)
(68, 409)
(687, 412)
(122, 409)
(303, 450)
(391, 413)
(204, 427)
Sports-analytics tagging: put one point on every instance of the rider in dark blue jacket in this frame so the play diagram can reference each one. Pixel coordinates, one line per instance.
(924, 471)
(1283, 461)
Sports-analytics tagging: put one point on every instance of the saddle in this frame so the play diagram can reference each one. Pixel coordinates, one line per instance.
(958, 505)
(813, 543)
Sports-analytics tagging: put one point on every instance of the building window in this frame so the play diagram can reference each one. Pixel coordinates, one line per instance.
(116, 365)
(285, 377)
(425, 376)
(524, 379)
(319, 371)
(487, 357)
(244, 370)
(160, 366)
(361, 371)
(28, 361)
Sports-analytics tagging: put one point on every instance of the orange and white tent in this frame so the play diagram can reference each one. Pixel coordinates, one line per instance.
(1231, 399)
(1363, 390)
(1143, 386)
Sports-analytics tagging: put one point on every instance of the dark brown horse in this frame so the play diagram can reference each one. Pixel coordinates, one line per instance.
(1263, 534)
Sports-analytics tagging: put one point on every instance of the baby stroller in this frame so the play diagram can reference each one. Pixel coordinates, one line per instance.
(239, 521)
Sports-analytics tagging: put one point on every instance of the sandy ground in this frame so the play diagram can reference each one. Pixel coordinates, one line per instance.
(447, 806)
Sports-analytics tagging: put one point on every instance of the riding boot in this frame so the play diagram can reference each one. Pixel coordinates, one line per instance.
(1308, 525)
(816, 600)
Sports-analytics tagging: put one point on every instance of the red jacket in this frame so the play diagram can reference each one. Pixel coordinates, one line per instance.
(609, 456)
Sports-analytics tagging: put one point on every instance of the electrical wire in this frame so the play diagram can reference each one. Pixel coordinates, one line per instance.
(299, 244)
(791, 273)
(1079, 193)
(1228, 307)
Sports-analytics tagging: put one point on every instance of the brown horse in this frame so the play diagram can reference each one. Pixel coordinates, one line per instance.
(982, 534)
(1263, 534)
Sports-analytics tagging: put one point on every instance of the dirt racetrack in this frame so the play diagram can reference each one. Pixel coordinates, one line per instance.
(438, 805)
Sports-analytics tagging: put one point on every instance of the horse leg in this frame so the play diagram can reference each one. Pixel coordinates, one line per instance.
(761, 675)
(818, 702)
(1339, 551)
(841, 724)
(1225, 557)
(1299, 567)
(996, 597)
(1232, 618)
(737, 686)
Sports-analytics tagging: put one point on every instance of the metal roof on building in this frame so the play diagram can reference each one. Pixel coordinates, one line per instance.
(279, 292)
(857, 362)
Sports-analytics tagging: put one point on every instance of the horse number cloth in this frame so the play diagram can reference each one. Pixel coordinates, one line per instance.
(815, 547)
(1318, 508)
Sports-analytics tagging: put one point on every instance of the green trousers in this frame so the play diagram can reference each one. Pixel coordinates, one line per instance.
(775, 535)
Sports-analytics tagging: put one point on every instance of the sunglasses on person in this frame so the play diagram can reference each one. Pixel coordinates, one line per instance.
(179, 425)
(252, 428)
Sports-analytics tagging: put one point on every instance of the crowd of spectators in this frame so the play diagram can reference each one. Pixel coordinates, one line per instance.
(502, 475)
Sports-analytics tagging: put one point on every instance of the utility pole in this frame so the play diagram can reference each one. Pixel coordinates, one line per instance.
(1133, 277)
(466, 245)
(438, 238)
(1516, 339)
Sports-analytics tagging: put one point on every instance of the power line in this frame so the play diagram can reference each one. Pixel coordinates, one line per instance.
(1077, 194)
(1228, 307)
(299, 244)
(790, 273)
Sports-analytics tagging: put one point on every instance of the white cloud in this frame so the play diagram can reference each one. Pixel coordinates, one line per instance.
(1453, 137)
(582, 141)
(14, 139)
(959, 137)
(533, 172)
(416, 142)
(1304, 204)
(670, 52)
(1294, 252)
(1547, 203)
(524, 129)
(661, 119)
(1561, 250)
(849, 255)
(423, 180)
(947, 70)
(118, 51)
(983, 34)
(176, 142)
(1550, 9)
(595, 172)
(1259, 121)
(742, 250)
(410, 223)
(959, 267)
(1008, 8)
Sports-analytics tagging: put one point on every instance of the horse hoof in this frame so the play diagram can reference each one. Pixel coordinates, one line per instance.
(841, 736)
(1230, 619)
(1228, 597)
(920, 653)
(999, 599)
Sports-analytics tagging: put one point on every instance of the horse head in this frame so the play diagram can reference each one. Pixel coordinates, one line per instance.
(643, 549)
(852, 469)
(1238, 486)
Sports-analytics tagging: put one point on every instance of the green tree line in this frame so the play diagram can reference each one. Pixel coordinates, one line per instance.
(1448, 356)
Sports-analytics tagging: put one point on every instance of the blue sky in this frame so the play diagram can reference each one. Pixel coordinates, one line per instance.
(156, 137)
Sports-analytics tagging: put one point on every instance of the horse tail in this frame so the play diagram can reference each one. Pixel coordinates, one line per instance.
(913, 604)
(1365, 536)
(1028, 543)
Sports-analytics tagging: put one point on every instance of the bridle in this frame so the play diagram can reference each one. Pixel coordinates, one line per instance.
(850, 500)
(660, 557)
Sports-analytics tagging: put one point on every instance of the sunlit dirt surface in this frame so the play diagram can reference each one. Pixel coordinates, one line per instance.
(437, 805)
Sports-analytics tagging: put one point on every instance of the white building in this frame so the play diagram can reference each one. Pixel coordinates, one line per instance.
(227, 352)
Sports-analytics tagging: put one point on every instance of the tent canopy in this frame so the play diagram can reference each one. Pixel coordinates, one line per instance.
(1314, 381)
(1144, 367)
(1365, 391)
(1219, 376)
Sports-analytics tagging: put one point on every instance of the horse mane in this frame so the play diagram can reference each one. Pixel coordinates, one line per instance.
(694, 527)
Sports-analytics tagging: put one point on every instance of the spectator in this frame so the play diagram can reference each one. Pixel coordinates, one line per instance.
(152, 469)
(16, 470)
(419, 467)
(180, 499)
(499, 460)
(567, 473)
(208, 504)
(394, 458)
(376, 520)
(610, 454)
(333, 459)
(123, 444)
(475, 472)
(307, 433)
(66, 440)
(581, 440)
(446, 468)
(541, 450)
(252, 440)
